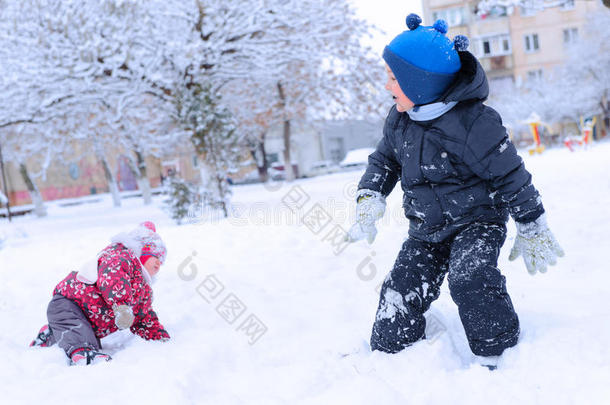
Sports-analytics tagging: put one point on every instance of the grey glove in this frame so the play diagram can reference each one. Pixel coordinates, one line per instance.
(536, 244)
(123, 316)
(370, 208)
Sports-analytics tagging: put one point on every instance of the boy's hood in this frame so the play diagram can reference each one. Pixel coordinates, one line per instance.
(470, 83)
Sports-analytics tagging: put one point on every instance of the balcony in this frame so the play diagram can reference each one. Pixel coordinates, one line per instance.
(497, 65)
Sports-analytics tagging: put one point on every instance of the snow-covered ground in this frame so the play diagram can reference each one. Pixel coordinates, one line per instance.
(300, 304)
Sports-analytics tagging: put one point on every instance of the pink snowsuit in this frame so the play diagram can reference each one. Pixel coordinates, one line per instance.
(120, 281)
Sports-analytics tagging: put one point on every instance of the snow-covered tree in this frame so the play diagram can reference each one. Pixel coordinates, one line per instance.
(77, 52)
(4, 201)
(214, 137)
(111, 72)
(91, 61)
(256, 128)
(23, 144)
(143, 130)
(319, 69)
(578, 88)
(180, 198)
(586, 75)
(94, 131)
(228, 47)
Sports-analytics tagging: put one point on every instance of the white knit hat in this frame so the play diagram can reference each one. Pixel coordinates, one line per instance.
(143, 237)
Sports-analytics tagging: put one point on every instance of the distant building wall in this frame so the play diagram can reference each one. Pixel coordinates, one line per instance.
(330, 140)
(555, 29)
(71, 176)
(514, 42)
(516, 45)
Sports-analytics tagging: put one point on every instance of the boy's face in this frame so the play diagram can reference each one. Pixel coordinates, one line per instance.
(402, 102)
(152, 266)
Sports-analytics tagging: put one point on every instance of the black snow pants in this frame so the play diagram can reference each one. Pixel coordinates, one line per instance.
(477, 287)
(69, 326)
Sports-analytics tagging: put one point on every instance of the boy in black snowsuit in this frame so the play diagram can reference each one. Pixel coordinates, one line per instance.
(461, 177)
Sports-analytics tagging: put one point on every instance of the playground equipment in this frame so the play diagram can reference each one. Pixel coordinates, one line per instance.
(535, 123)
(587, 127)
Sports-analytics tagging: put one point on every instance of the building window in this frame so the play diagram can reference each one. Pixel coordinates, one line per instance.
(527, 11)
(497, 63)
(531, 43)
(195, 161)
(336, 149)
(453, 16)
(336, 155)
(498, 11)
(74, 171)
(494, 12)
(570, 36)
(272, 158)
(486, 48)
(567, 5)
(534, 75)
(501, 83)
(506, 45)
(493, 45)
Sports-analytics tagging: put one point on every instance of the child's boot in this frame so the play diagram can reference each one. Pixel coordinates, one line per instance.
(85, 356)
(490, 362)
(43, 337)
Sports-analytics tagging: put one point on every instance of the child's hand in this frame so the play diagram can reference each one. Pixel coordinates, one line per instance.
(360, 231)
(123, 316)
(370, 208)
(537, 245)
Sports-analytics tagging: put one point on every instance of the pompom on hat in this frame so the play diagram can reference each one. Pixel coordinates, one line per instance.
(423, 60)
(149, 225)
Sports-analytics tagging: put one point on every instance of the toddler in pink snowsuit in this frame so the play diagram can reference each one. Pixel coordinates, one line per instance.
(110, 293)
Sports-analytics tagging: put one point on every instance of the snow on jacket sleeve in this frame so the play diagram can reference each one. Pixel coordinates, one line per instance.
(492, 156)
(383, 170)
(149, 327)
(114, 280)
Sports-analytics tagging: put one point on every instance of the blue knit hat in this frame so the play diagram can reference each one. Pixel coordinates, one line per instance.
(424, 60)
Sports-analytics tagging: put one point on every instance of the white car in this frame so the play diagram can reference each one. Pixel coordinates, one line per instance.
(276, 171)
(322, 167)
(356, 159)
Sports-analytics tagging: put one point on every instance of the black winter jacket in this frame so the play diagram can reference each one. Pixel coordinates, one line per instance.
(456, 169)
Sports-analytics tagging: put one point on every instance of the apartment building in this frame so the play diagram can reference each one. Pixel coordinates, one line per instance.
(514, 43)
